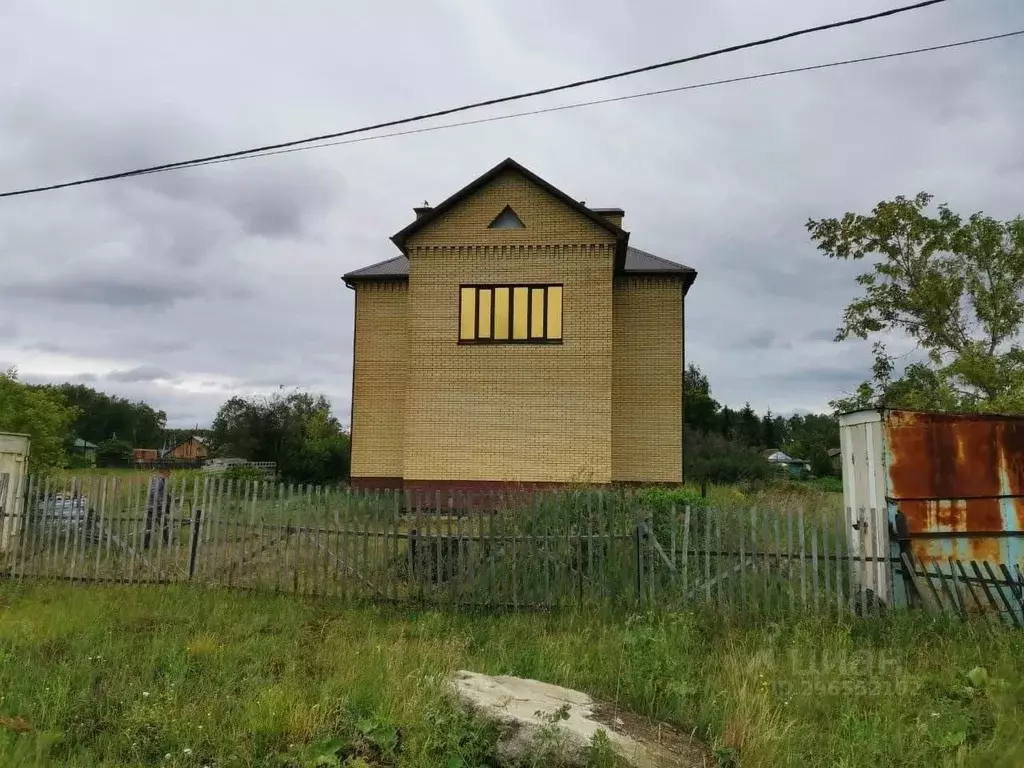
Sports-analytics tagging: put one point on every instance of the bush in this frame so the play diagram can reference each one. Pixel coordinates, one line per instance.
(113, 453)
(663, 503)
(244, 473)
(827, 484)
(713, 458)
(80, 461)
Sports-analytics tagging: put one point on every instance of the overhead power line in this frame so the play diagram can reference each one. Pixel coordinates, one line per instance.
(611, 99)
(486, 103)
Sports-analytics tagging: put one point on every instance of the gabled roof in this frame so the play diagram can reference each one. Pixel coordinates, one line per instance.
(508, 164)
(630, 261)
(197, 438)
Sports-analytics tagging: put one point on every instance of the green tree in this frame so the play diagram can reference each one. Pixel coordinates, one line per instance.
(42, 414)
(771, 434)
(748, 429)
(101, 416)
(711, 457)
(727, 423)
(296, 430)
(113, 453)
(955, 287)
(700, 409)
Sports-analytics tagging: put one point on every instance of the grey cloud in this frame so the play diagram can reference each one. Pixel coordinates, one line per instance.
(76, 378)
(821, 334)
(109, 291)
(767, 338)
(140, 373)
(47, 346)
(8, 330)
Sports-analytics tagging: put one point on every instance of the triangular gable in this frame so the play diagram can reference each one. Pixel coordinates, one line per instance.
(621, 236)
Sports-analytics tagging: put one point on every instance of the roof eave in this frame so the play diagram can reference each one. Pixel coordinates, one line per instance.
(352, 280)
(687, 276)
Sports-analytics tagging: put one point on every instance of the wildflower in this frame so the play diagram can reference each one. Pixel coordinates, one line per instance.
(167, 756)
(145, 693)
(935, 714)
(186, 751)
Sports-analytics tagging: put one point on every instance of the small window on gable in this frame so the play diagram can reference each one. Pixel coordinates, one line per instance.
(507, 219)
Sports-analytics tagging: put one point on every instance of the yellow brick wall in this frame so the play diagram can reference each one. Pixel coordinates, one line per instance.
(381, 365)
(507, 412)
(647, 373)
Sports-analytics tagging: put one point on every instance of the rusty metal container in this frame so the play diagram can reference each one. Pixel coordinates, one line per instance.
(947, 489)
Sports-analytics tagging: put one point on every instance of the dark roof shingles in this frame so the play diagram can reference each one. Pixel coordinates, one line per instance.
(642, 261)
(637, 261)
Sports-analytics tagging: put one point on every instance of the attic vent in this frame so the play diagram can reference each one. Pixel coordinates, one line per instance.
(507, 219)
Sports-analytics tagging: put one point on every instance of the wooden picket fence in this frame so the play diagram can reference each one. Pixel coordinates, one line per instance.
(517, 549)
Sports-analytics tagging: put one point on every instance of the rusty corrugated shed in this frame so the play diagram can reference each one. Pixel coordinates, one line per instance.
(958, 479)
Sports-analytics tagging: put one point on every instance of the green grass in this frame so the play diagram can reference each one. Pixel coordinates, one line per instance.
(123, 676)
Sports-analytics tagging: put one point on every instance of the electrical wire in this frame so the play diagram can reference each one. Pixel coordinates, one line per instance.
(478, 104)
(611, 99)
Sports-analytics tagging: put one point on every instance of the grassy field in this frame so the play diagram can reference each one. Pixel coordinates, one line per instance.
(172, 676)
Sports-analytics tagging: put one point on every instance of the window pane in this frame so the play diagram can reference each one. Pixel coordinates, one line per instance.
(484, 308)
(536, 313)
(501, 313)
(555, 312)
(520, 298)
(467, 314)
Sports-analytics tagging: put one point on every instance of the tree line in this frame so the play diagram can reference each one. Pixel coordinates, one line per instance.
(297, 430)
(725, 445)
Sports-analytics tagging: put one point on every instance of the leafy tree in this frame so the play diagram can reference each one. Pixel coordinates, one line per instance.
(102, 416)
(700, 409)
(42, 414)
(955, 287)
(296, 430)
(113, 453)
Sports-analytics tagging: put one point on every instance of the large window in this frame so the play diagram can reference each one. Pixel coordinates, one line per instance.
(510, 314)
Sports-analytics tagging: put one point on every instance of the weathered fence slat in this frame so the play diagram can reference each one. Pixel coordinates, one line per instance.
(1011, 613)
(790, 570)
(970, 587)
(992, 604)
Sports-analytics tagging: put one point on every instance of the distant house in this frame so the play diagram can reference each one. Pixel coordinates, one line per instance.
(191, 448)
(835, 456)
(793, 466)
(83, 446)
(144, 455)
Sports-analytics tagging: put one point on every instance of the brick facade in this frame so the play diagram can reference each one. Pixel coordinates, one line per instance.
(647, 375)
(379, 379)
(603, 406)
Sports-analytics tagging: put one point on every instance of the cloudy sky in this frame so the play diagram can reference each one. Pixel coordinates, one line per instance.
(186, 287)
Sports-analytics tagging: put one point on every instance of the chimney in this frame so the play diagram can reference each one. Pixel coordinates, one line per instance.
(614, 215)
(423, 210)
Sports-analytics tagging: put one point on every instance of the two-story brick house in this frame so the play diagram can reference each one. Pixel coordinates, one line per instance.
(517, 340)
